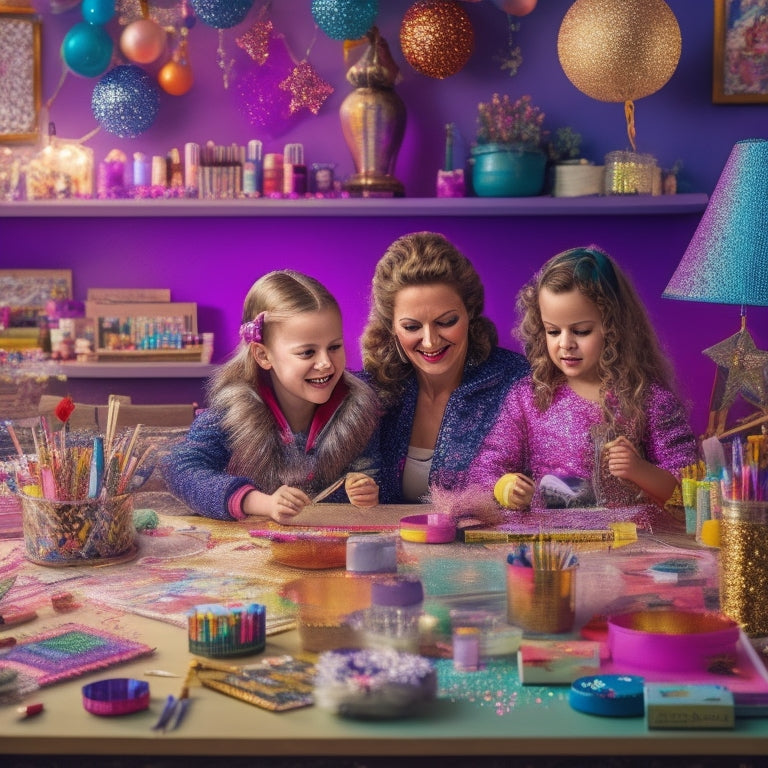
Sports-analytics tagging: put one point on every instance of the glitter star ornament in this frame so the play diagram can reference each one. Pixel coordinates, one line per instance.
(741, 370)
(255, 42)
(308, 90)
(436, 37)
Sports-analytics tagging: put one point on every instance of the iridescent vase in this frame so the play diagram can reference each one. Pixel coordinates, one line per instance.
(373, 122)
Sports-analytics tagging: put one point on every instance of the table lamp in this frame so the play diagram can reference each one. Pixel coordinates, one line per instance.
(726, 262)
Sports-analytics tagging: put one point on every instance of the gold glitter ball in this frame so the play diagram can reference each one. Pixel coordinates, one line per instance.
(436, 37)
(619, 50)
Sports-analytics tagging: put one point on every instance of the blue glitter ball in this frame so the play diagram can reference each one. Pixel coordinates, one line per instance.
(125, 101)
(345, 19)
(221, 14)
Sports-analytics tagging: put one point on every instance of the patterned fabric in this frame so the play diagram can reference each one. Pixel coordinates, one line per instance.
(471, 411)
(559, 442)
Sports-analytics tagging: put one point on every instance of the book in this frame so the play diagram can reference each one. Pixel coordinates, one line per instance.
(688, 705)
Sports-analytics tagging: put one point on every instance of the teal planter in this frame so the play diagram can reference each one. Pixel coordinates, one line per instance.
(507, 170)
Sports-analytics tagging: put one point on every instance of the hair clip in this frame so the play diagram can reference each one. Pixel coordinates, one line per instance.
(252, 330)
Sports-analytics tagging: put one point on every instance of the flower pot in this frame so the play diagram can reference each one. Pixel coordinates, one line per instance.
(507, 170)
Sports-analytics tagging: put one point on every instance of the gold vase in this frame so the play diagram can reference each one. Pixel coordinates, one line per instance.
(373, 122)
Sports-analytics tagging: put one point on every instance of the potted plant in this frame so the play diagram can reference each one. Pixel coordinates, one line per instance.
(508, 159)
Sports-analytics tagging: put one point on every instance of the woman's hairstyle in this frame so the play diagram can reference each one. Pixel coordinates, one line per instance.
(631, 359)
(274, 297)
(421, 258)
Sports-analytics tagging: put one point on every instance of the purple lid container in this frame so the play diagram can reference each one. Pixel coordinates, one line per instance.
(397, 592)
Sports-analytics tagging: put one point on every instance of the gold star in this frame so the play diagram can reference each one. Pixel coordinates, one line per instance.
(256, 40)
(307, 88)
(741, 370)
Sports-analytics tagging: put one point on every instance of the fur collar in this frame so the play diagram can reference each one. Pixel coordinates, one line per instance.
(261, 450)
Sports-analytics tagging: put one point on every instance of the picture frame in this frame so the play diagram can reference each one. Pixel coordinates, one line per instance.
(21, 84)
(25, 292)
(740, 53)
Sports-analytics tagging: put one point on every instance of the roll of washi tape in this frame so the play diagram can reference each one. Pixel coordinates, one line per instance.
(372, 553)
(608, 695)
(116, 696)
(435, 528)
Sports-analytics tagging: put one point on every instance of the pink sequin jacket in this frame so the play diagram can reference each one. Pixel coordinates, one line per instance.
(559, 442)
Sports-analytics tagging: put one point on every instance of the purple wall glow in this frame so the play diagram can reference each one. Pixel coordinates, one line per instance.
(213, 261)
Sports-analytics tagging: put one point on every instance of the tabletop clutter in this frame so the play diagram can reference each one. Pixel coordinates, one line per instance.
(374, 642)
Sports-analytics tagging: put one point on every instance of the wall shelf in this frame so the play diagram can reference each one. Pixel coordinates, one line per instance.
(137, 370)
(612, 205)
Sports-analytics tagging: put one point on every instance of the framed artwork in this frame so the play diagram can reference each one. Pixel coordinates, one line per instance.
(20, 76)
(740, 52)
(25, 292)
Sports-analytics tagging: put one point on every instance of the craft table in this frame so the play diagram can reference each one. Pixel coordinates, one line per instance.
(479, 717)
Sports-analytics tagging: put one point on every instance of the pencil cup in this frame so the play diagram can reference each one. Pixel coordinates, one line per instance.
(91, 531)
(541, 601)
(220, 630)
(744, 564)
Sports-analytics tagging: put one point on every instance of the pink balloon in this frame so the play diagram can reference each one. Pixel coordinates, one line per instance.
(516, 7)
(143, 41)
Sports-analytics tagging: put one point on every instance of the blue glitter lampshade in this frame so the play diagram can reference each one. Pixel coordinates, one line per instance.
(726, 261)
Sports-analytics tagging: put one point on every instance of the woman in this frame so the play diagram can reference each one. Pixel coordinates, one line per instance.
(435, 361)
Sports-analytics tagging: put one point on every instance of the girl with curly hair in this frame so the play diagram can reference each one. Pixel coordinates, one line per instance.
(597, 421)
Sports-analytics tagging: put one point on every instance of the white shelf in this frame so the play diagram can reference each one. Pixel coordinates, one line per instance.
(137, 370)
(612, 205)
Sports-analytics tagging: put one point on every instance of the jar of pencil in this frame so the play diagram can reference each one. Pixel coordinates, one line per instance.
(220, 630)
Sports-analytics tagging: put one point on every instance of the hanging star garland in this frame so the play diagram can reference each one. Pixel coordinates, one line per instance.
(307, 88)
(741, 370)
(255, 42)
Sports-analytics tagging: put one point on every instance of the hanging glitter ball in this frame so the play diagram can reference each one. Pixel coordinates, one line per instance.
(307, 88)
(125, 101)
(345, 19)
(619, 50)
(221, 14)
(436, 37)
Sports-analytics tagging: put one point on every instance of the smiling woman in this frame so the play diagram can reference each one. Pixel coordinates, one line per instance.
(434, 358)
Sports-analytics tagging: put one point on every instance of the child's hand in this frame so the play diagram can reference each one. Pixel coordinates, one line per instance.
(522, 492)
(361, 489)
(622, 458)
(286, 502)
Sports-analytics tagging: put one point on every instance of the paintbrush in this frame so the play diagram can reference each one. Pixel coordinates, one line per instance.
(324, 494)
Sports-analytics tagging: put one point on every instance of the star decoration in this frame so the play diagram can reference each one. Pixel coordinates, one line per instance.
(741, 370)
(307, 88)
(255, 42)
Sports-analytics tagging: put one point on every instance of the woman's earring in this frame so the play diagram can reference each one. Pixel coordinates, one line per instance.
(400, 351)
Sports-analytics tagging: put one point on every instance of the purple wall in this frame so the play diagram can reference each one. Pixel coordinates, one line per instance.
(214, 260)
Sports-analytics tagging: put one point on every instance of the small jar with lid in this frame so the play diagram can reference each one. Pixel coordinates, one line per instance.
(392, 620)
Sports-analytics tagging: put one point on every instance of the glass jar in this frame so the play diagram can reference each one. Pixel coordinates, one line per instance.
(392, 620)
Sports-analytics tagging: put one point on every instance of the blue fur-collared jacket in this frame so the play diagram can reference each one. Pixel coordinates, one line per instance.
(471, 411)
(243, 441)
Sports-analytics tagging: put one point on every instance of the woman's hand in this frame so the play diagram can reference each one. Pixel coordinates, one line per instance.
(361, 489)
(281, 506)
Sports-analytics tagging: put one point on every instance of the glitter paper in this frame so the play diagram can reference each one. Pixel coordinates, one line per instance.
(345, 19)
(307, 88)
(619, 50)
(742, 366)
(69, 651)
(221, 14)
(256, 40)
(436, 37)
(125, 101)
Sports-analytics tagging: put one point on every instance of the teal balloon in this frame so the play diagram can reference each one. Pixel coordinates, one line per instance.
(98, 11)
(87, 49)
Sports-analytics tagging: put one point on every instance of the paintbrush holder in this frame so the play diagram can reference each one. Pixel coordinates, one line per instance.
(89, 531)
(541, 601)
